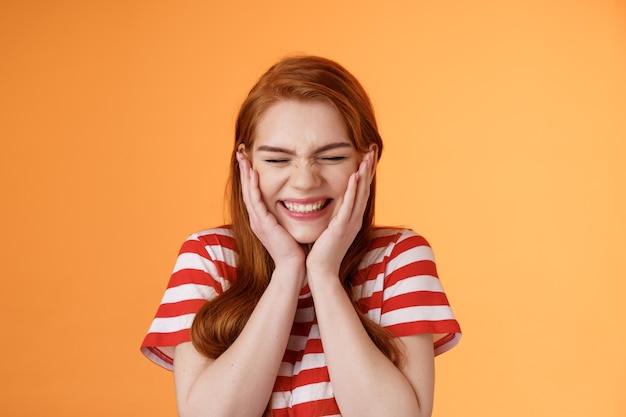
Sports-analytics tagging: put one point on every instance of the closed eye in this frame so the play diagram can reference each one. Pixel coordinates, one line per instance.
(333, 158)
(276, 161)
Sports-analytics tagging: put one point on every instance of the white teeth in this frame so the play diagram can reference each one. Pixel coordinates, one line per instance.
(304, 208)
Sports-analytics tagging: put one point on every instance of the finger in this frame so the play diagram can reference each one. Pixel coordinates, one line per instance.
(363, 186)
(250, 191)
(347, 204)
(244, 173)
(371, 167)
(373, 164)
(256, 199)
(357, 192)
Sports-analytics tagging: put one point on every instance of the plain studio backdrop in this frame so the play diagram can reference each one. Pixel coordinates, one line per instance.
(505, 146)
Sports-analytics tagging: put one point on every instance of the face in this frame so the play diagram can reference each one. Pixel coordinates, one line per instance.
(304, 158)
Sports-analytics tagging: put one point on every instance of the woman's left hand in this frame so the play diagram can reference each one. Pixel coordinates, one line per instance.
(324, 258)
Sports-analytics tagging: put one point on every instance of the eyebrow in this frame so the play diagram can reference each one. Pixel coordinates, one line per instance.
(330, 146)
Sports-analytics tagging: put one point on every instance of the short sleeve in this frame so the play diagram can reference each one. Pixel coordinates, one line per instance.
(204, 268)
(413, 299)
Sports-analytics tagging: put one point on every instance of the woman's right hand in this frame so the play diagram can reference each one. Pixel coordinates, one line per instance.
(281, 246)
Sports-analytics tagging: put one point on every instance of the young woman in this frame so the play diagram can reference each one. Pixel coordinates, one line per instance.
(301, 307)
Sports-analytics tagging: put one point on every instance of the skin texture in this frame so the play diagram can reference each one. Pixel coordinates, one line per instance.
(302, 153)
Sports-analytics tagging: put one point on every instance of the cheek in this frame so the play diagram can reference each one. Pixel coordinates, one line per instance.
(340, 179)
(269, 185)
(265, 187)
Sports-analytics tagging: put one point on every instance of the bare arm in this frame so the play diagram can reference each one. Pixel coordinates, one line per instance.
(240, 381)
(364, 381)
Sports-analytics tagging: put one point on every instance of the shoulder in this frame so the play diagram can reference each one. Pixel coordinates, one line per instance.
(220, 236)
(396, 240)
(212, 250)
(396, 250)
(206, 242)
(391, 248)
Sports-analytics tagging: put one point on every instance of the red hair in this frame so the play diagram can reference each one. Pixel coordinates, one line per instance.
(302, 78)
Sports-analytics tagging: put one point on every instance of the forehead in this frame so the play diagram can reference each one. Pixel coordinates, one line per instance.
(300, 125)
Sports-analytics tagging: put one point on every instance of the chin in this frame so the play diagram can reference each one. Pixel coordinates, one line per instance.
(304, 237)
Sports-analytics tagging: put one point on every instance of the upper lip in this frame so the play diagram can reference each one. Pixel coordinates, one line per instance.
(309, 200)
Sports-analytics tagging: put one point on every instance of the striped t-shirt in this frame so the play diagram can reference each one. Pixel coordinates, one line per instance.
(396, 286)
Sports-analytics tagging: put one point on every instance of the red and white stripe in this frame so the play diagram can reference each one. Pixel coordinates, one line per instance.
(397, 286)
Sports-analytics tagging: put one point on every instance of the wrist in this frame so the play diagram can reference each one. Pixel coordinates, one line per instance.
(292, 273)
(320, 281)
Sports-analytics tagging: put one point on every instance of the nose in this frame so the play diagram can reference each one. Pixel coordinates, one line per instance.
(305, 175)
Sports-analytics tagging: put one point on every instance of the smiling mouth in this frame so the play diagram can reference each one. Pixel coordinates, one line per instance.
(305, 208)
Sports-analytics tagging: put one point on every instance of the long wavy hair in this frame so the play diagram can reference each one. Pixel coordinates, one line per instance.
(302, 78)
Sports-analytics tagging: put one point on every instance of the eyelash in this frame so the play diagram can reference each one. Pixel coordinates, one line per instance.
(325, 159)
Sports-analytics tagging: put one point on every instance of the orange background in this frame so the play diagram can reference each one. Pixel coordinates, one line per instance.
(505, 134)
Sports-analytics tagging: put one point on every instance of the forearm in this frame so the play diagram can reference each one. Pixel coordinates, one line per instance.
(240, 381)
(364, 381)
